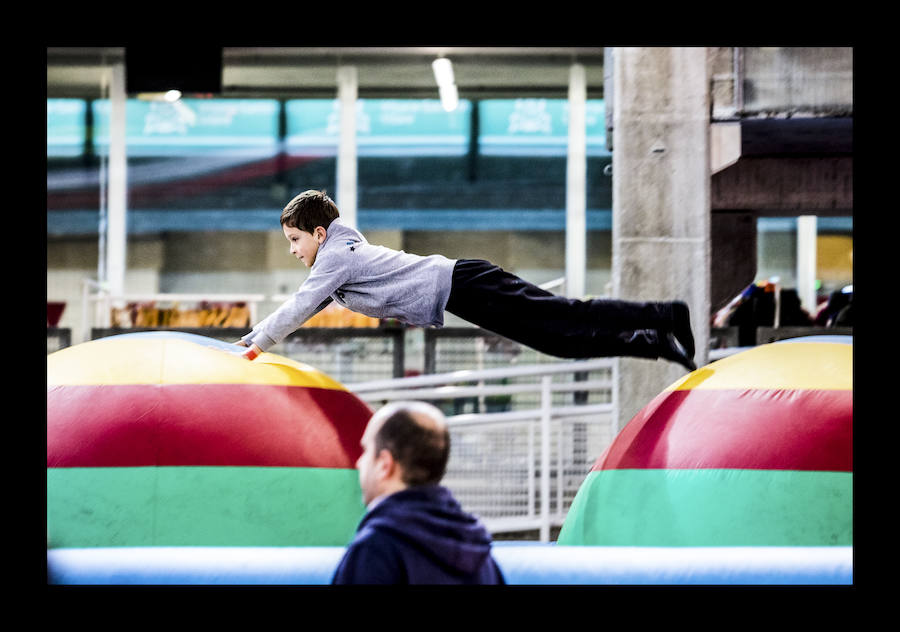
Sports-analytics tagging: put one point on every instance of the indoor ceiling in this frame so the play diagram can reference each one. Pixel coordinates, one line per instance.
(391, 72)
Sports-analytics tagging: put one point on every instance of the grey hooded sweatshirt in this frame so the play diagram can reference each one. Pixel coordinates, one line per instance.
(372, 280)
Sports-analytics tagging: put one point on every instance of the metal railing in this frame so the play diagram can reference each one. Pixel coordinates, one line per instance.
(97, 302)
(518, 469)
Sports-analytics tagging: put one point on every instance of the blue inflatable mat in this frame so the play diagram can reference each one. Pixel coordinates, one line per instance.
(522, 564)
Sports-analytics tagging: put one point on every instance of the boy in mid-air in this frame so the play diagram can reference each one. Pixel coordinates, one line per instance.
(383, 283)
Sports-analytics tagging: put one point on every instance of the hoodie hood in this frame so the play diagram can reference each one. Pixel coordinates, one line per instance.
(430, 520)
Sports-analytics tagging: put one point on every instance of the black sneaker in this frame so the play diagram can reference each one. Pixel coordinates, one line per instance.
(671, 349)
(652, 343)
(681, 327)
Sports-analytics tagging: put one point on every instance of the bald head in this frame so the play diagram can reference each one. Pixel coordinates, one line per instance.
(416, 434)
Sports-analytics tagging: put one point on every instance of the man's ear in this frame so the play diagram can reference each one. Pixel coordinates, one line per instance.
(385, 463)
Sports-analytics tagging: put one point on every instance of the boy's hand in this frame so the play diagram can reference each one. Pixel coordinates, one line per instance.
(248, 353)
(251, 352)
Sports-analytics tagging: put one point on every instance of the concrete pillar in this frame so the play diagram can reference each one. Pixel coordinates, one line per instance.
(661, 199)
(576, 185)
(346, 156)
(116, 229)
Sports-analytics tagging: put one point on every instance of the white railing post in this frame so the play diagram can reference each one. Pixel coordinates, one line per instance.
(85, 311)
(532, 496)
(559, 469)
(546, 404)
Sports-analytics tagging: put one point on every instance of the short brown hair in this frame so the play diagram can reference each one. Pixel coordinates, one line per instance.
(421, 451)
(310, 209)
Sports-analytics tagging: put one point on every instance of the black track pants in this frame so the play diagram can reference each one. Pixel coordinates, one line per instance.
(493, 299)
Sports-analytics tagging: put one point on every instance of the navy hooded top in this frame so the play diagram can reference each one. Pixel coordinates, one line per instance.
(419, 535)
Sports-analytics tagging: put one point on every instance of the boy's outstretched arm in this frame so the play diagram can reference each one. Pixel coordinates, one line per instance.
(314, 294)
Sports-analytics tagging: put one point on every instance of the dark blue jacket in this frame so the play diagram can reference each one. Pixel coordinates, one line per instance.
(419, 535)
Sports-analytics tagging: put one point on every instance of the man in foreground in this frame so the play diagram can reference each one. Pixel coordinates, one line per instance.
(414, 531)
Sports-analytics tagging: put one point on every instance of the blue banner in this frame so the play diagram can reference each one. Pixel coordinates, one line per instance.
(191, 126)
(66, 127)
(389, 127)
(537, 126)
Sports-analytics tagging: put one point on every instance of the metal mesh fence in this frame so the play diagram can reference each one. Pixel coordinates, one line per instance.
(347, 355)
(495, 468)
(491, 471)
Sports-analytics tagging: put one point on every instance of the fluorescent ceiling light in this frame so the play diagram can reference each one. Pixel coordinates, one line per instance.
(449, 98)
(170, 96)
(443, 74)
(443, 71)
